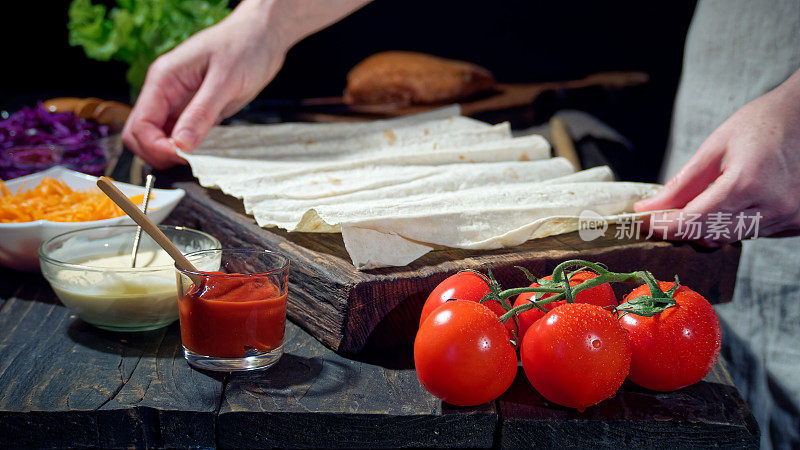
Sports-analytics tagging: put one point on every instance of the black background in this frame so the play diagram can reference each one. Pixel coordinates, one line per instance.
(518, 40)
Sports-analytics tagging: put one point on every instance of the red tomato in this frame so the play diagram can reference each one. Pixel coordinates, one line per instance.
(678, 346)
(602, 295)
(463, 355)
(577, 355)
(463, 286)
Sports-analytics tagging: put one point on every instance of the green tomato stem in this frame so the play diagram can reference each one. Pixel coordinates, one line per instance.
(569, 292)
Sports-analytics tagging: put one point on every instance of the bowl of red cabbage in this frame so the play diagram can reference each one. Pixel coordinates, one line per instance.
(35, 138)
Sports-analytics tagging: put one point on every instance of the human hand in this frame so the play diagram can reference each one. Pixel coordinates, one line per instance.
(747, 167)
(207, 78)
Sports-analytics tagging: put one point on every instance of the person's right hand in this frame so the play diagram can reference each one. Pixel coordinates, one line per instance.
(742, 181)
(207, 78)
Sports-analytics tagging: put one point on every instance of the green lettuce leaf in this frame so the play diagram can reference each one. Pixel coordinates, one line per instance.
(139, 31)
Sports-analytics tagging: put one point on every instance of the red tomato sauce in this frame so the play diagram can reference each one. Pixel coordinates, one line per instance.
(227, 317)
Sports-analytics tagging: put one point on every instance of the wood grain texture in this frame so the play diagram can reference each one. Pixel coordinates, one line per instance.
(64, 383)
(316, 398)
(709, 414)
(350, 310)
(163, 401)
(69, 383)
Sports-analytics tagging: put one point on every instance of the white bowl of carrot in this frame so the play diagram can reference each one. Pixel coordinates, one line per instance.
(36, 207)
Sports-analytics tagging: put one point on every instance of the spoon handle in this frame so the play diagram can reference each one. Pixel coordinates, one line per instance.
(143, 221)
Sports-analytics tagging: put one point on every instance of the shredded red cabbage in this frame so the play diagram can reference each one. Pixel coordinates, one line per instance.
(33, 139)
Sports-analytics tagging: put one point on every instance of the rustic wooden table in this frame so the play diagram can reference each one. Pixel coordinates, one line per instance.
(64, 383)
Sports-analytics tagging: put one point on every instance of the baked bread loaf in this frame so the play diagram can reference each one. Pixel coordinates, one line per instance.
(406, 78)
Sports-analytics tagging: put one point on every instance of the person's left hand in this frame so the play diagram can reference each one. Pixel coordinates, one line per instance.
(746, 167)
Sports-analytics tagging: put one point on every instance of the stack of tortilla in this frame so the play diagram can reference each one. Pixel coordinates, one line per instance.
(398, 188)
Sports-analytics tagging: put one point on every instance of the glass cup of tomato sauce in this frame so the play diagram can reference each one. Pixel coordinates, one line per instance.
(234, 319)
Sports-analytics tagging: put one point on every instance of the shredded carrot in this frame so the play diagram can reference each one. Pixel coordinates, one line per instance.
(53, 200)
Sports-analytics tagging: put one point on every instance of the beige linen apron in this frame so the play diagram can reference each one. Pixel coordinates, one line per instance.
(737, 50)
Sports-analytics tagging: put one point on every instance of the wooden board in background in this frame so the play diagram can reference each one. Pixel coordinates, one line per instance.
(350, 310)
(504, 96)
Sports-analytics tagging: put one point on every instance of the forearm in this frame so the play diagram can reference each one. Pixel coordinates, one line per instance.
(292, 20)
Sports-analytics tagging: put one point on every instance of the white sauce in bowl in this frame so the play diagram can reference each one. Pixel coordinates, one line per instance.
(129, 299)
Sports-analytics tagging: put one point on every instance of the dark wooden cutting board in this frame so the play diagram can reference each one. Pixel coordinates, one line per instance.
(350, 310)
(502, 97)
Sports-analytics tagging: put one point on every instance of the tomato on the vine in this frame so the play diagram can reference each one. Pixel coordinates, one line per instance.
(577, 355)
(676, 347)
(463, 355)
(602, 296)
(466, 285)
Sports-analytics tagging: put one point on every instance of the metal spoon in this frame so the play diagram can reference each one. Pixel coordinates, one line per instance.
(147, 188)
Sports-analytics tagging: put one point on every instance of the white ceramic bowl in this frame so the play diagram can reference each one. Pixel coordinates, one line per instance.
(19, 242)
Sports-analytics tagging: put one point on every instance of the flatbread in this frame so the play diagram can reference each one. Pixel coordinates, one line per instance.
(247, 136)
(398, 188)
(309, 146)
(239, 177)
(328, 216)
(277, 209)
(327, 179)
(209, 167)
(506, 221)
